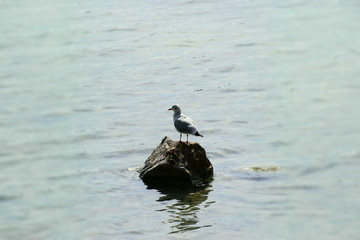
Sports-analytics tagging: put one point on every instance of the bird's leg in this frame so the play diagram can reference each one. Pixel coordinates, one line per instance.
(180, 137)
(187, 137)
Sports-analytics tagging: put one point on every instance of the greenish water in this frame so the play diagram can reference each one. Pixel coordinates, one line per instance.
(273, 87)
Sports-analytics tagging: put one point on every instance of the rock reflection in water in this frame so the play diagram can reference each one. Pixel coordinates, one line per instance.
(183, 213)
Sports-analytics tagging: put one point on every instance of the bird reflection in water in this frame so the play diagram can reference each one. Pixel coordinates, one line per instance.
(184, 206)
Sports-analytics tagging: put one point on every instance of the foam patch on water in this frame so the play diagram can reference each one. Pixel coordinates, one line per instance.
(264, 169)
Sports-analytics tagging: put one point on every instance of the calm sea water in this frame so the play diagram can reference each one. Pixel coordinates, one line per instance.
(274, 88)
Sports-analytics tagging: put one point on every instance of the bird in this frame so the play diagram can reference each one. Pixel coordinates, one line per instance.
(183, 124)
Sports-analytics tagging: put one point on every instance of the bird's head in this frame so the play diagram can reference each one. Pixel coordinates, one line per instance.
(176, 109)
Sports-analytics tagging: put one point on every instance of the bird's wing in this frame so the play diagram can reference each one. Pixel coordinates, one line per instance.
(187, 119)
(185, 125)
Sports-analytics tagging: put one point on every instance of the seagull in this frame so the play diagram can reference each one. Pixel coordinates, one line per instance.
(184, 124)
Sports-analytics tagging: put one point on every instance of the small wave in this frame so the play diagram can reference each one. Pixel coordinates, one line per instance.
(4, 198)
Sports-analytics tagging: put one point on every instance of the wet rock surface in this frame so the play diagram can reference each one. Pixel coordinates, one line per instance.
(177, 164)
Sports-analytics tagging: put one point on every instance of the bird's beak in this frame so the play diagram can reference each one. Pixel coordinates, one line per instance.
(170, 109)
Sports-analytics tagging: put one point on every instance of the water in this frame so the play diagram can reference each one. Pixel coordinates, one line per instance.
(273, 87)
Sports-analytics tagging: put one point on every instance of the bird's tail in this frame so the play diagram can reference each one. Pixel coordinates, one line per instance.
(198, 134)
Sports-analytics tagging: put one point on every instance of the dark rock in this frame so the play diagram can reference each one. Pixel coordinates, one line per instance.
(177, 164)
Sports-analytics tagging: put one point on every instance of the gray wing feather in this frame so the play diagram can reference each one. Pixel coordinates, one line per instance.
(185, 125)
